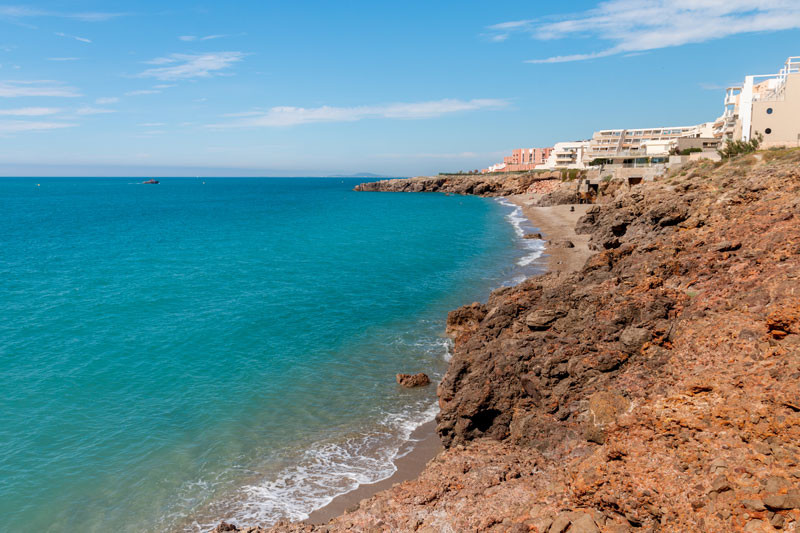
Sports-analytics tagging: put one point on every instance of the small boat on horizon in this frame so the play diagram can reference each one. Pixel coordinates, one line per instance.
(150, 182)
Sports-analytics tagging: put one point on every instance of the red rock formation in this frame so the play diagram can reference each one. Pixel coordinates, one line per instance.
(657, 389)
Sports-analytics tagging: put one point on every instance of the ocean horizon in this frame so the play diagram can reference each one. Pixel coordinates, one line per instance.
(215, 349)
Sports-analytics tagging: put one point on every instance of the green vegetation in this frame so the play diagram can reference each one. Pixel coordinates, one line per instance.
(736, 148)
(461, 173)
(781, 154)
(570, 174)
(599, 161)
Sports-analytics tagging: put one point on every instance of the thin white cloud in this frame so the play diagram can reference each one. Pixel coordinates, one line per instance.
(13, 89)
(88, 110)
(63, 58)
(17, 12)
(446, 155)
(152, 124)
(20, 126)
(107, 100)
(81, 39)
(191, 38)
(142, 92)
(292, 116)
(572, 57)
(640, 25)
(30, 111)
(186, 66)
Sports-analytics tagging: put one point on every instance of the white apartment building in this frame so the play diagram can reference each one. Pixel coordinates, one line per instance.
(766, 104)
(649, 145)
(566, 155)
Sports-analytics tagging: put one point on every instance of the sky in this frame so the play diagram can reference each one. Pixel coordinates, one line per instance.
(304, 88)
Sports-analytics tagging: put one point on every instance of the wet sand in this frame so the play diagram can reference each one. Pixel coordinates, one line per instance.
(557, 223)
(408, 467)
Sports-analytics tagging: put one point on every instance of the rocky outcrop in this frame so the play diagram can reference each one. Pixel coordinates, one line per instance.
(480, 185)
(655, 390)
(560, 196)
(410, 381)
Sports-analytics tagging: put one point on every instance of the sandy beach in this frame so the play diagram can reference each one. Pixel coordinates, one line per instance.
(557, 223)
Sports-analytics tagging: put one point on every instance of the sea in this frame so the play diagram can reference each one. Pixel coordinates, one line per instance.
(211, 349)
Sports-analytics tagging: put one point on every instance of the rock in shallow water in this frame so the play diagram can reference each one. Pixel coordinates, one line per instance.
(413, 380)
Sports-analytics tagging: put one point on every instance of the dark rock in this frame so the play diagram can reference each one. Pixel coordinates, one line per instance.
(563, 243)
(412, 380)
(533, 236)
(562, 196)
(542, 318)
(726, 246)
(633, 339)
(780, 502)
(753, 505)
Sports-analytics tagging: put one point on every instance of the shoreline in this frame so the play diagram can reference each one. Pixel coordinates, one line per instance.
(556, 223)
(624, 419)
(425, 445)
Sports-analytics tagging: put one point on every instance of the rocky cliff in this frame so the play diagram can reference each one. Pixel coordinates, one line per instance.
(656, 390)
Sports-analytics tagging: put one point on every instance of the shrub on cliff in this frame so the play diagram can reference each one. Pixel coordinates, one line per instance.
(736, 148)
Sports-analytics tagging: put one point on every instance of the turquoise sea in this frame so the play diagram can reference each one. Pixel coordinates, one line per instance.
(172, 355)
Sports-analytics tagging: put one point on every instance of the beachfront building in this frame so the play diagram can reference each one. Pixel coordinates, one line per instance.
(566, 155)
(521, 160)
(646, 146)
(766, 104)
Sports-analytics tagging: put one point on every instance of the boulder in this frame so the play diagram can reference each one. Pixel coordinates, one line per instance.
(413, 380)
(633, 339)
(542, 318)
(604, 408)
(780, 502)
(583, 523)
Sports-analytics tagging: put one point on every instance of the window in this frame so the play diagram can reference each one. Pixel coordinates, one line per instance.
(768, 131)
(769, 111)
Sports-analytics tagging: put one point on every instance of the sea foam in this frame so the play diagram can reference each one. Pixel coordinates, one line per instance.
(532, 248)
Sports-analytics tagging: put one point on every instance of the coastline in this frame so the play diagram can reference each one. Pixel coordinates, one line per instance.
(425, 446)
(556, 223)
(618, 397)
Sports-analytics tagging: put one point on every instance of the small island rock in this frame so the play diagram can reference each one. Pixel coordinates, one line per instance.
(413, 380)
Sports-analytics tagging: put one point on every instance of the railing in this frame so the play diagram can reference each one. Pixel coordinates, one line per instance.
(778, 95)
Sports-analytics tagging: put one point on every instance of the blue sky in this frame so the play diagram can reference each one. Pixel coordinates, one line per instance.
(396, 88)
